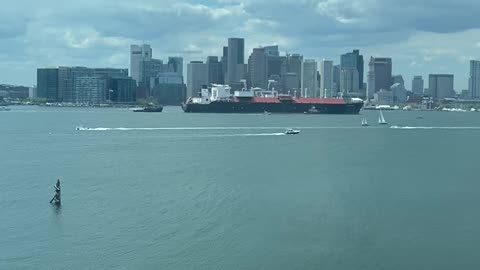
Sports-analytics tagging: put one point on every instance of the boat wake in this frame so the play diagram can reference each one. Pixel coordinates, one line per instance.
(82, 128)
(246, 135)
(407, 127)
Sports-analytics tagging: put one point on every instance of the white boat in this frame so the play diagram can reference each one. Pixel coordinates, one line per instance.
(364, 122)
(291, 131)
(381, 119)
(5, 109)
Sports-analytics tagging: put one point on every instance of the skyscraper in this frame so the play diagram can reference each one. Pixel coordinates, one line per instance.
(214, 69)
(272, 50)
(336, 80)
(294, 65)
(224, 61)
(235, 60)
(169, 88)
(353, 60)
(380, 74)
(197, 77)
(417, 85)
(474, 79)
(326, 84)
(440, 86)
(309, 78)
(175, 64)
(257, 68)
(139, 53)
(349, 82)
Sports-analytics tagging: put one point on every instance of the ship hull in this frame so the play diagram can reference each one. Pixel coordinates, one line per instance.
(257, 107)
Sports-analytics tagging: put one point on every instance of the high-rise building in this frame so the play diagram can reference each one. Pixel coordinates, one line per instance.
(169, 88)
(309, 78)
(336, 80)
(257, 68)
(326, 84)
(272, 50)
(417, 85)
(224, 61)
(175, 64)
(440, 86)
(349, 82)
(290, 83)
(214, 69)
(380, 74)
(47, 83)
(474, 79)
(138, 54)
(353, 60)
(197, 77)
(235, 60)
(294, 65)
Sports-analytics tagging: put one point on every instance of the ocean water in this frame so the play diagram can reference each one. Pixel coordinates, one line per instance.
(215, 191)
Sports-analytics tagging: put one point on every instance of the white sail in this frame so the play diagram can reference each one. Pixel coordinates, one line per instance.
(381, 119)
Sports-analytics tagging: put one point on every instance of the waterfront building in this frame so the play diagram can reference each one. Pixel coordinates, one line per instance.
(353, 60)
(197, 77)
(235, 60)
(440, 86)
(326, 81)
(417, 85)
(380, 74)
(169, 88)
(474, 79)
(138, 55)
(257, 68)
(309, 78)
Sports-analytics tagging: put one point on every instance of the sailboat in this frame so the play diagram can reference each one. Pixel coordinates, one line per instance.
(364, 122)
(381, 119)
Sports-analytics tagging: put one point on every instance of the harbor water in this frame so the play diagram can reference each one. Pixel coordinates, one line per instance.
(174, 190)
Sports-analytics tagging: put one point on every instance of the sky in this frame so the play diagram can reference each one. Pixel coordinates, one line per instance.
(421, 36)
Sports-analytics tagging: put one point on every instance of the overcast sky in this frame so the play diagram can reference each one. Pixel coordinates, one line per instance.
(422, 36)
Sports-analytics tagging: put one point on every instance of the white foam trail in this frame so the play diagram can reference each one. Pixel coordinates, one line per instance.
(246, 135)
(201, 128)
(407, 127)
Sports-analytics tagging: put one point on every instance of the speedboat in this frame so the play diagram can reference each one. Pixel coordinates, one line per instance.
(291, 131)
(5, 109)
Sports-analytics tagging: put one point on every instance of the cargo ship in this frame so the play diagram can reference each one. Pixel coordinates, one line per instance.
(256, 100)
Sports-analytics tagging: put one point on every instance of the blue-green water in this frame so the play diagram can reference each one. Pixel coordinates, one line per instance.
(337, 196)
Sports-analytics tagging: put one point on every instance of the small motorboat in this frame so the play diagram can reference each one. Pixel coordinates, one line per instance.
(5, 109)
(291, 131)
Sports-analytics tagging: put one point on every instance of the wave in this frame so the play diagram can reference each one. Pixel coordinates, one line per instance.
(407, 127)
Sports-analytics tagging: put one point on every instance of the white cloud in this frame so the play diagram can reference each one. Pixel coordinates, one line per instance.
(420, 35)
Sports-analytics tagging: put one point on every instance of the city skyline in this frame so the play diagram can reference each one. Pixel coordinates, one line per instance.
(419, 42)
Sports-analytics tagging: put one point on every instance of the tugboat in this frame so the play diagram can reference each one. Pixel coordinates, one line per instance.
(57, 198)
(292, 131)
(150, 108)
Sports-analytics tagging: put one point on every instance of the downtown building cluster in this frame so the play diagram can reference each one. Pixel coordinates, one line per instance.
(264, 68)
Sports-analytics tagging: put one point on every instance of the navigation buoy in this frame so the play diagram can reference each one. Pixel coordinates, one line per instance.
(56, 197)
